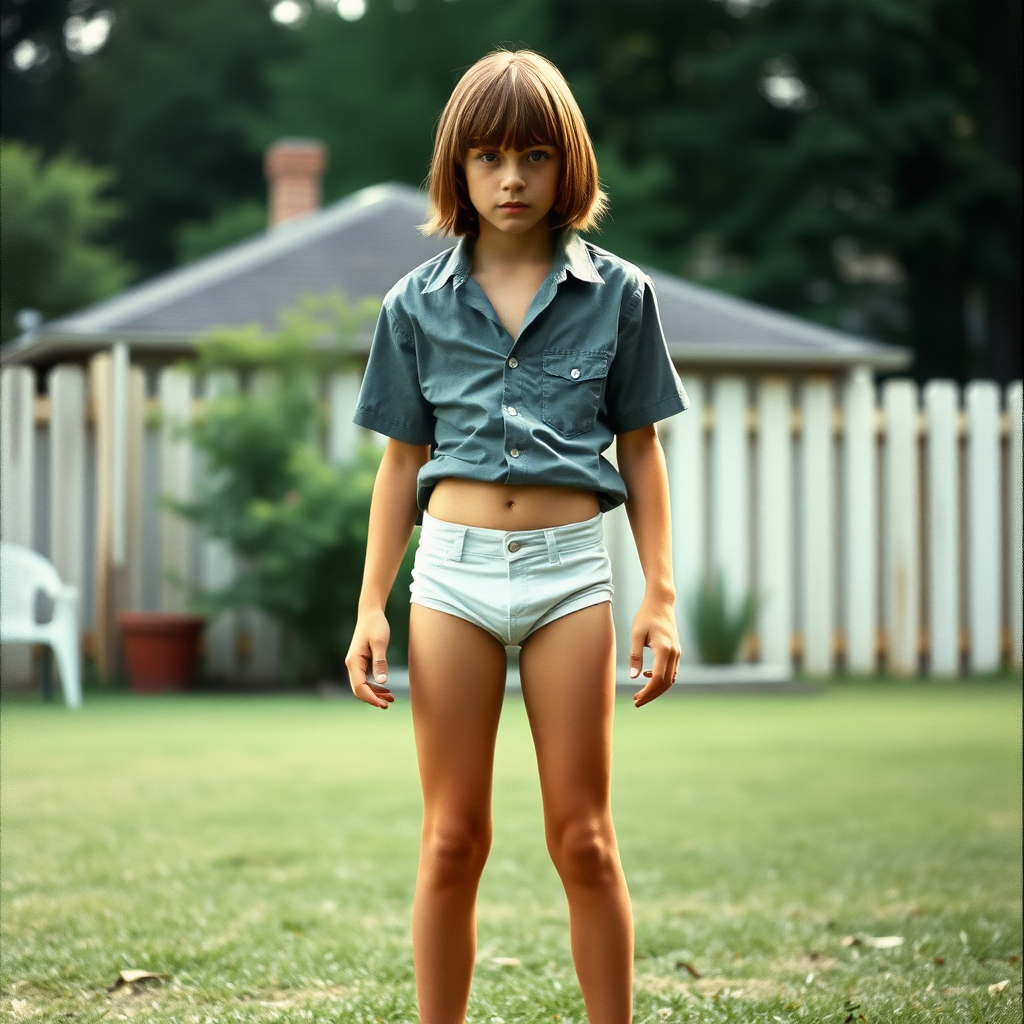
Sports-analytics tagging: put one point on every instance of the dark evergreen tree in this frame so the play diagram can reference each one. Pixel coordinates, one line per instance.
(829, 157)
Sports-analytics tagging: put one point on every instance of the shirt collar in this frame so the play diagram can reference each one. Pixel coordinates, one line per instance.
(571, 256)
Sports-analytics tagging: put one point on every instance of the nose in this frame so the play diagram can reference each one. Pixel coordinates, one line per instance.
(513, 182)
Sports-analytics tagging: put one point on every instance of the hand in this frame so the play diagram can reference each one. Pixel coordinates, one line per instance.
(370, 645)
(654, 626)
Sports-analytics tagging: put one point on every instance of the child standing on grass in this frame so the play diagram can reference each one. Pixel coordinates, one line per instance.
(500, 371)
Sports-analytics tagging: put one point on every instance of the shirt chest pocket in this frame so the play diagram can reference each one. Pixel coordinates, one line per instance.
(571, 389)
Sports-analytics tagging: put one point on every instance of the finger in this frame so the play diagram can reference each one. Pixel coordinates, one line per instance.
(381, 691)
(649, 692)
(636, 654)
(380, 662)
(662, 658)
(366, 693)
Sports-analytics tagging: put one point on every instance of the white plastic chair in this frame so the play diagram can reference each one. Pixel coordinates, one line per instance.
(23, 573)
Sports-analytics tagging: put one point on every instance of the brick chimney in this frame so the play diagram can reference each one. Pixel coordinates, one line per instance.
(293, 169)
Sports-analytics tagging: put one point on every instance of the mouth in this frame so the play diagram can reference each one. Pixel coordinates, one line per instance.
(513, 206)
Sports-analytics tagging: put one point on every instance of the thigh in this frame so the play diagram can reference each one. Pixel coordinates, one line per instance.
(568, 674)
(456, 687)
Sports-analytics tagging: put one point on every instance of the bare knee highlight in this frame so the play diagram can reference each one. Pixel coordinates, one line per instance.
(584, 853)
(453, 854)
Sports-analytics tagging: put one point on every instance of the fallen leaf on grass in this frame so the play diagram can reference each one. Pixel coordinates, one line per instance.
(938, 959)
(998, 987)
(874, 941)
(506, 961)
(134, 979)
(689, 968)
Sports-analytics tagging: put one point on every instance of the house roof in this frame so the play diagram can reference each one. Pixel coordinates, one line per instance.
(363, 244)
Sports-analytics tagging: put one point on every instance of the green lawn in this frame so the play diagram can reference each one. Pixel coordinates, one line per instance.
(261, 852)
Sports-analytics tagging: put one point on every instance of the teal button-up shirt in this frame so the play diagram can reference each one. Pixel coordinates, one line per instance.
(590, 362)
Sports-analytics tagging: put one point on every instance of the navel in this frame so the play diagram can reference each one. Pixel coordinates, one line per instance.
(510, 503)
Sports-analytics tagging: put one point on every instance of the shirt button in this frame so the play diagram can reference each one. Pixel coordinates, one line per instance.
(514, 453)
(511, 410)
(574, 373)
(514, 545)
(513, 362)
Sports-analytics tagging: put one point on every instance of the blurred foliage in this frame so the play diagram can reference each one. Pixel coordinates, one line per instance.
(718, 630)
(852, 161)
(296, 524)
(50, 215)
(232, 224)
(170, 102)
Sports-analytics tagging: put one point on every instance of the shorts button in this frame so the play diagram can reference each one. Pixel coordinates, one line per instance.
(574, 373)
(513, 362)
(514, 546)
(511, 410)
(514, 453)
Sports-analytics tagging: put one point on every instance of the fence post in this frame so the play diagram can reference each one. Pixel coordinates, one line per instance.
(217, 565)
(135, 510)
(984, 578)
(817, 505)
(100, 388)
(730, 488)
(686, 468)
(66, 387)
(265, 638)
(1015, 523)
(342, 432)
(860, 521)
(941, 400)
(775, 521)
(175, 394)
(900, 535)
(17, 486)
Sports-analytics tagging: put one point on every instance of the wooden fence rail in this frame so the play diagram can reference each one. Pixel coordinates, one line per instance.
(879, 526)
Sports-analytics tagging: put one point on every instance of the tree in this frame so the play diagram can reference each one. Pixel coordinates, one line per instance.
(169, 102)
(827, 157)
(372, 89)
(50, 217)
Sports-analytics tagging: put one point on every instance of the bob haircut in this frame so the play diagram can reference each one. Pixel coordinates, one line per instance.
(515, 99)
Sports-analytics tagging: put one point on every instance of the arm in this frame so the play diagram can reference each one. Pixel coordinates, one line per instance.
(642, 467)
(392, 517)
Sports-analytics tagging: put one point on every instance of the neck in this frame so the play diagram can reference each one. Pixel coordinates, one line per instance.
(494, 248)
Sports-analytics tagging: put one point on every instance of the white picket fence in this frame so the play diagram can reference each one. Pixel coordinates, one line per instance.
(881, 527)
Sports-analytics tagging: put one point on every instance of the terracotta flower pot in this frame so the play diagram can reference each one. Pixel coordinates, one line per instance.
(160, 649)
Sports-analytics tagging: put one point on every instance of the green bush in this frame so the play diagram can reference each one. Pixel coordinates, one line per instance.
(53, 216)
(296, 523)
(718, 631)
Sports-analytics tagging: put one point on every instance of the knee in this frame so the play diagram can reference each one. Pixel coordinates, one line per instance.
(584, 853)
(455, 853)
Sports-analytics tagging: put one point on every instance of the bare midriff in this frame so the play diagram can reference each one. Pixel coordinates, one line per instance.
(507, 507)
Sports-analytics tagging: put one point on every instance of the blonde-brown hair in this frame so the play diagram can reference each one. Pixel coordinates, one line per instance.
(516, 99)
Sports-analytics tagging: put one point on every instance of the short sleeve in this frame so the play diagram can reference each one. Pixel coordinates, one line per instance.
(643, 386)
(390, 399)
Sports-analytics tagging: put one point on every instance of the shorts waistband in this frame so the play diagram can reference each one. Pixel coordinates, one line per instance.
(511, 545)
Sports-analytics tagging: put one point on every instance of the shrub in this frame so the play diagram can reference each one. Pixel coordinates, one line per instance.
(718, 631)
(296, 523)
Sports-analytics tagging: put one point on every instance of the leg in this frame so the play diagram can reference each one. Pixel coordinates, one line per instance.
(568, 673)
(457, 682)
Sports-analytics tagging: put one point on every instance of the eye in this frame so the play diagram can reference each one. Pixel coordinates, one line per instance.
(488, 158)
(538, 155)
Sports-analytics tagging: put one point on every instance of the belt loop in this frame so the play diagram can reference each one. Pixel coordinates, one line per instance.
(460, 536)
(553, 558)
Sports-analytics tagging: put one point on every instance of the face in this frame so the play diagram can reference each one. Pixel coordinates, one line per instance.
(513, 190)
